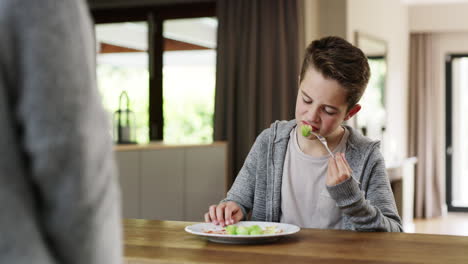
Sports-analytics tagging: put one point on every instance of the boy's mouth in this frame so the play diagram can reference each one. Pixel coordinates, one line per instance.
(314, 128)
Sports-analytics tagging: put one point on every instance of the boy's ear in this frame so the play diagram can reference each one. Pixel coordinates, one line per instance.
(354, 110)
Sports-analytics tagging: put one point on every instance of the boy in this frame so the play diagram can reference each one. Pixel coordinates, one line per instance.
(290, 177)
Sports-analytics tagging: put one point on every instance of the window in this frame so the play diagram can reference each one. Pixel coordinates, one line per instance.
(189, 72)
(456, 131)
(164, 58)
(122, 65)
(371, 119)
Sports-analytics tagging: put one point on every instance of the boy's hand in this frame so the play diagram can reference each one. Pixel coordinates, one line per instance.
(338, 170)
(224, 214)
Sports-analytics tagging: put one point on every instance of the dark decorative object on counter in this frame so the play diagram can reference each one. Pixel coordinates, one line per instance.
(124, 122)
(364, 130)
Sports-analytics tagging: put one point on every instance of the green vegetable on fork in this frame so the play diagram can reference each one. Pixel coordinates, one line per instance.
(306, 130)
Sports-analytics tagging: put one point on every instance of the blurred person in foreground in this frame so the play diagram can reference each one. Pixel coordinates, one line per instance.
(59, 199)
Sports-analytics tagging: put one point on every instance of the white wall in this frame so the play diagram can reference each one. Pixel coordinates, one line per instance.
(333, 18)
(323, 18)
(311, 21)
(439, 18)
(388, 20)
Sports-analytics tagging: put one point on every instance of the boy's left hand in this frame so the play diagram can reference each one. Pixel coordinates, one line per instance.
(338, 170)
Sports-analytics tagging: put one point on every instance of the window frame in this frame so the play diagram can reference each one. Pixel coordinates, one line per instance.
(448, 129)
(154, 15)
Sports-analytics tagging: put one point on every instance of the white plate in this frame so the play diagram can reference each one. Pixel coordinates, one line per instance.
(199, 230)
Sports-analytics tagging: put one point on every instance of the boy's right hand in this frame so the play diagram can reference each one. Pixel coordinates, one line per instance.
(224, 214)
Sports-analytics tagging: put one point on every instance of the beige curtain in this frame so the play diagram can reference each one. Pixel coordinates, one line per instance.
(257, 69)
(424, 122)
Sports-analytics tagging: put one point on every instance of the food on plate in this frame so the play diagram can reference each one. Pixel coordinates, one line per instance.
(245, 230)
(256, 230)
(216, 232)
(242, 230)
(271, 230)
(231, 230)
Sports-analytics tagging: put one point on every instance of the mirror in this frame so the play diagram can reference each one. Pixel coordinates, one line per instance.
(371, 120)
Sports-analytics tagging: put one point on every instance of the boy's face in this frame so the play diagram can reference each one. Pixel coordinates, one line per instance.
(321, 103)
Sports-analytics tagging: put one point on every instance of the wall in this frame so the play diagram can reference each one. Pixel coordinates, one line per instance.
(438, 18)
(388, 20)
(311, 20)
(332, 24)
(323, 18)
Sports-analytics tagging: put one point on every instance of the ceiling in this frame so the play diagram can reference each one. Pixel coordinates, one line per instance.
(134, 35)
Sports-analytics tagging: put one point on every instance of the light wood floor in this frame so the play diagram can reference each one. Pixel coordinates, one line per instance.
(451, 224)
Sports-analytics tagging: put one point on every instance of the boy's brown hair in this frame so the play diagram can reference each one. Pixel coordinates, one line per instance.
(339, 60)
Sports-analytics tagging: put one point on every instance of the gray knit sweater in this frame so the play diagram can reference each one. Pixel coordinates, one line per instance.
(59, 198)
(368, 206)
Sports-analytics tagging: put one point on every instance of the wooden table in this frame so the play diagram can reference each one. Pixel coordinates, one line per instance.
(151, 241)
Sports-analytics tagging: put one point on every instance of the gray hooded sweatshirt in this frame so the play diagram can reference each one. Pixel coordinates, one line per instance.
(59, 195)
(368, 206)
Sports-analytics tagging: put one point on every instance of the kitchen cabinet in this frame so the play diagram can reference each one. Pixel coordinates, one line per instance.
(162, 184)
(203, 184)
(171, 182)
(129, 171)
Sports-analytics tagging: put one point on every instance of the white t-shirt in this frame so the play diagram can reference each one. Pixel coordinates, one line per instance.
(305, 201)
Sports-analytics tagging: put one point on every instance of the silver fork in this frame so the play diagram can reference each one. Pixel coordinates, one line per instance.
(324, 142)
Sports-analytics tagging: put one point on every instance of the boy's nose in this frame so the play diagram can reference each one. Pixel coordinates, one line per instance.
(313, 114)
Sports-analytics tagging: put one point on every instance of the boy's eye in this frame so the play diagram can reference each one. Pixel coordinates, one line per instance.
(329, 111)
